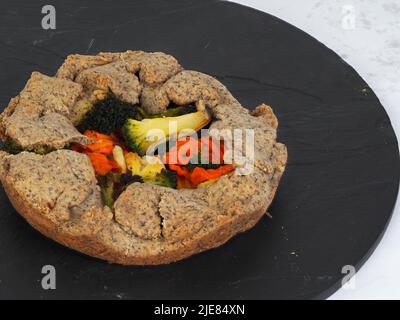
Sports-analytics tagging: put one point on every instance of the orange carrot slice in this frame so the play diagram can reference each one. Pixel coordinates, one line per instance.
(101, 164)
(200, 175)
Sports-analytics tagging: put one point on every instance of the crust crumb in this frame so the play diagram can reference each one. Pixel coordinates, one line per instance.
(265, 111)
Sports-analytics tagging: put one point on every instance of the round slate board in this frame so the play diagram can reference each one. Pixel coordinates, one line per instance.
(335, 199)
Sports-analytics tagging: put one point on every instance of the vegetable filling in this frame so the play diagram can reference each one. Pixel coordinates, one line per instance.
(168, 149)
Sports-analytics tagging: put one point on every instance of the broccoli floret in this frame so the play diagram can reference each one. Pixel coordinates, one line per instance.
(108, 115)
(166, 178)
(135, 132)
(80, 109)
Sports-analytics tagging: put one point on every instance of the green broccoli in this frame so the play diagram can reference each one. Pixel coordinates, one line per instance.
(108, 115)
(135, 132)
(166, 178)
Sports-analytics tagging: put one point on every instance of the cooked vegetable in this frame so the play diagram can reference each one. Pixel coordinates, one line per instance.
(191, 166)
(102, 143)
(108, 115)
(118, 155)
(139, 137)
(151, 170)
(128, 178)
(133, 163)
(98, 136)
(122, 181)
(83, 106)
(100, 152)
(165, 178)
(180, 171)
(101, 146)
(188, 159)
(146, 167)
(151, 167)
(181, 152)
(204, 150)
(184, 183)
(200, 175)
(170, 112)
(102, 164)
(107, 190)
(191, 172)
(113, 184)
(176, 112)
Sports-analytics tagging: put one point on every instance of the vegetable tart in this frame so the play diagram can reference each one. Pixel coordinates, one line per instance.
(129, 158)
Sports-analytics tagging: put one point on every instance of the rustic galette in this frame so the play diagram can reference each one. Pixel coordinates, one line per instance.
(129, 158)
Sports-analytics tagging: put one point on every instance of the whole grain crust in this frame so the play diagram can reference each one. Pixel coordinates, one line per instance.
(57, 193)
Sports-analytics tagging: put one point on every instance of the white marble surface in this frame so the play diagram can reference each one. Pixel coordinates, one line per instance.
(365, 33)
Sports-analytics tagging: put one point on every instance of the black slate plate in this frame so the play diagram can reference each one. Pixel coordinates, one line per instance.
(337, 194)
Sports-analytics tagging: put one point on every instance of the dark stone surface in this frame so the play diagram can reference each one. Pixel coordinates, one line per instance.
(337, 194)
